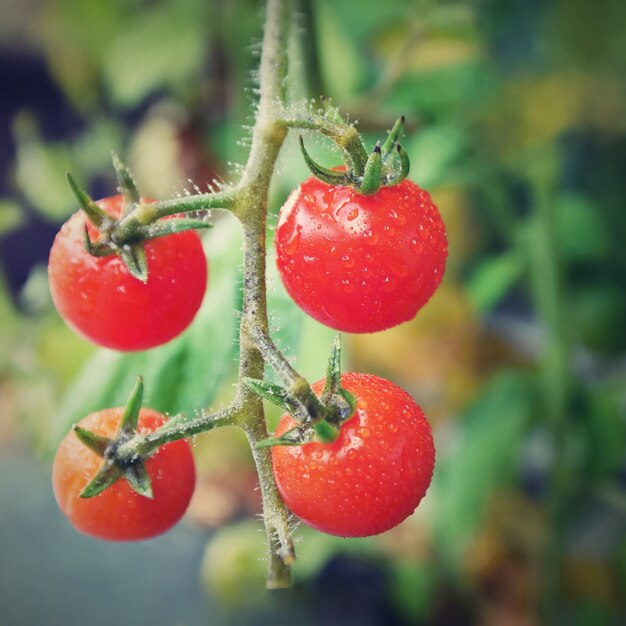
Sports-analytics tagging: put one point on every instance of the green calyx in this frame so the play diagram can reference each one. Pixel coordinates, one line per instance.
(114, 466)
(138, 223)
(317, 423)
(386, 165)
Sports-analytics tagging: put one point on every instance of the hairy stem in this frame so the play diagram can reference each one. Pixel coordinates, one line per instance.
(267, 139)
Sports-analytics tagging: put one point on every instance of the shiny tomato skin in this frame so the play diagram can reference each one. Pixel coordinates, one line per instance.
(119, 513)
(360, 263)
(373, 476)
(99, 299)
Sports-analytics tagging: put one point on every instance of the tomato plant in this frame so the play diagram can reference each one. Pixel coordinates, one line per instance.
(375, 473)
(120, 513)
(102, 301)
(360, 263)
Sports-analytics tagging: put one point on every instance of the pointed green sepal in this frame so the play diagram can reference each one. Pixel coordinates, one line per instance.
(333, 371)
(126, 183)
(134, 257)
(325, 432)
(405, 166)
(137, 477)
(347, 410)
(130, 417)
(332, 177)
(341, 402)
(163, 228)
(96, 443)
(331, 112)
(108, 474)
(297, 436)
(371, 176)
(394, 135)
(276, 395)
(96, 249)
(94, 213)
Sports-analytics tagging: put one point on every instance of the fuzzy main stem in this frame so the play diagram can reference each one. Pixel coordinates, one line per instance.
(267, 139)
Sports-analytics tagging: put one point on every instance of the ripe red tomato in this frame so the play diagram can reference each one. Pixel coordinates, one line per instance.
(373, 476)
(119, 513)
(360, 263)
(99, 299)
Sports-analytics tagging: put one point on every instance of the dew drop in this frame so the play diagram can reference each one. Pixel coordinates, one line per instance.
(354, 213)
(348, 261)
(370, 237)
(416, 246)
(347, 286)
(389, 231)
(388, 284)
(291, 247)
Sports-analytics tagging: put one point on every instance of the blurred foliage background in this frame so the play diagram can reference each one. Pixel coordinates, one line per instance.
(517, 125)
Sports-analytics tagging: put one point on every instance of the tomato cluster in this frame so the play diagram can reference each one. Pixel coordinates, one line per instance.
(355, 263)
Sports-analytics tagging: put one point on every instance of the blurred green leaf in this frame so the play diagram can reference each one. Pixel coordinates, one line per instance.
(485, 457)
(182, 375)
(605, 428)
(412, 587)
(598, 312)
(443, 93)
(165, 46)
(434, 151)
(340, 60)
(40, 170)
(581, 231)
(493, 279)
(11, 216)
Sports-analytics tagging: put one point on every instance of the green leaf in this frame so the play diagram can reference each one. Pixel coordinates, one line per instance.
(581, 229)
(40, 170)
(163, 47)
(493, 279)
(11, 216)
(434, 152)
(340, 61)
(485, 458)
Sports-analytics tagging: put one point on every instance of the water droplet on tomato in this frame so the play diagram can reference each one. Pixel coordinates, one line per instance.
(291, 246)
(416, 246)
(388, 284)
(347, 286)
(348, 261)
(370, 237)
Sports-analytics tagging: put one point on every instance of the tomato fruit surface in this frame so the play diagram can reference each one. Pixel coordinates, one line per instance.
(119, 513)
(360, 263)
(373, 476)
(100, 300)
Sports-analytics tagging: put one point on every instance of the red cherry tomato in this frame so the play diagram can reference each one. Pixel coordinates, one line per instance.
(360, 263)
(119, 513)
(99, 299)
(373, 476)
